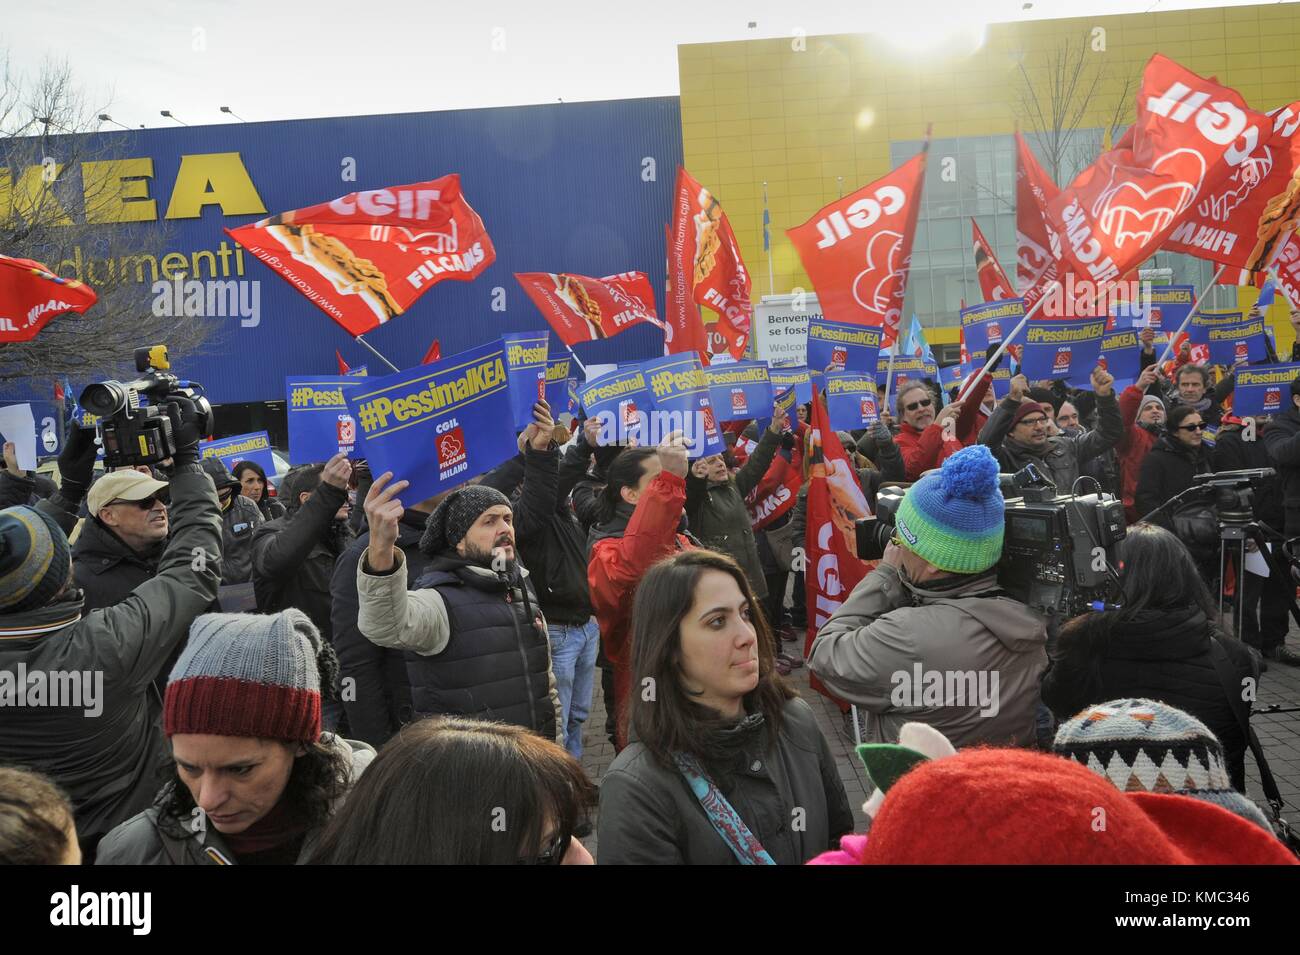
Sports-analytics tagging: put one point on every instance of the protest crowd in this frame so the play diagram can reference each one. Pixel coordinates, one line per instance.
(380, 664)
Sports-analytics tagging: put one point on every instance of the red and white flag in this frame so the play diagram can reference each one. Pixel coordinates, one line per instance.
(434, 353)
(858, 250)
(1190, 136)
(1035, 267)
(777, 491)
(704, 268)
(835, 502)
(364, 258)
(994, 284)
(1245, 220)
(581, 308)
(31, 296)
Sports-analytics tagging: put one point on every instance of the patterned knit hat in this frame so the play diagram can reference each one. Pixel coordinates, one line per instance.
(247, 675)
(1145, 746)
(455, 515)
(35, 560)
(954, 519)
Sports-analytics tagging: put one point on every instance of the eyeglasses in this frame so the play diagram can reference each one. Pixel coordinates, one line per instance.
(144, 505)
(1199, 426)
(923, 403)
(554, 852)
(1039, 420)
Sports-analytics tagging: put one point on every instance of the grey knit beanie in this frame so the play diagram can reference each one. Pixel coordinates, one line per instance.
(455, 515)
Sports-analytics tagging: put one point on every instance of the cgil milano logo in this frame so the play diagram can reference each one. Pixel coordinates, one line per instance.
(77, 908)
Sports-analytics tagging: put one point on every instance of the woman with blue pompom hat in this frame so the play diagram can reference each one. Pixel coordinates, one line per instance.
(928, 636)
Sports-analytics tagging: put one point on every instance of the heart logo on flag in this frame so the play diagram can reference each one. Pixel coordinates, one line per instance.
(1125, 210)
(1239, 186)
(871, 289)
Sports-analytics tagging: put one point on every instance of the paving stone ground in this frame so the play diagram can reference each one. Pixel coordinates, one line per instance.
(1279, 734)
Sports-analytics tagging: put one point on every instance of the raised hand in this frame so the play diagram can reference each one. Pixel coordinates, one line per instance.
(383, 514)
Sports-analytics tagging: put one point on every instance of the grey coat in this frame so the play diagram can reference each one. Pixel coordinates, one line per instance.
(1062, 458)
(790, 796)
(868, 652)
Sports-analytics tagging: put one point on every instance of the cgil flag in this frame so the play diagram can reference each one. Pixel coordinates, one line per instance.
(31, 296)
(582, 309)
(704, 268)
(994, 283)
(858, 249)
(1035, 266)
(364, 258)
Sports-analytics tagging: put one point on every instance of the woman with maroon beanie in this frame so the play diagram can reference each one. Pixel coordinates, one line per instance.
(255, 780)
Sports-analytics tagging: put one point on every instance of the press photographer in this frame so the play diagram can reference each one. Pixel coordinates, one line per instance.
(934, 606)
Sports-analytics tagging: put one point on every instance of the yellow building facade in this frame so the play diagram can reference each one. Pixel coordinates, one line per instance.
(817, 117)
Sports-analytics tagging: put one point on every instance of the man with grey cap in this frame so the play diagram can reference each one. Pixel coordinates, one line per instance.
(475, 637)
(122, 539)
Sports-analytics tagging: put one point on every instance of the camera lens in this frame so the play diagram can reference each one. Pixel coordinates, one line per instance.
(104, 399)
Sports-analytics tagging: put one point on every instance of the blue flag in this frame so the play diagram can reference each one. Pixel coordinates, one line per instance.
(320, 423)
(440, 424)
(1268, 293)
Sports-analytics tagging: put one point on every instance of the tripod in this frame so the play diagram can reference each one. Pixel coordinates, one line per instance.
(1233, 536)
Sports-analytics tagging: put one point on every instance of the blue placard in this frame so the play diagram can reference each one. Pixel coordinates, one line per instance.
(241, 447)
(985, 326)
(1169, 305)
(559, 371)
(622, 399)
(1198, 332)
(841, 346)
(800, 379)
(526, 354)
(1121, 355)
(740, 390)
(320, 423)
(1056, 348)
(438, 425)
(682, 403)
(1264, 389)
(1234, 342)
(851, 400)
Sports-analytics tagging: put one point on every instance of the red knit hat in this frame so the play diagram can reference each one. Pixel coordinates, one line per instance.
(1026, 408)
(1016, 807)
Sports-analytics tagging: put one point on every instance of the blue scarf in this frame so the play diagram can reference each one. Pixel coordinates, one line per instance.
(722, 816)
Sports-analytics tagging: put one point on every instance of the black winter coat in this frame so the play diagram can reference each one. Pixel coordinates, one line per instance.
(293, 557)
(1167, 470)
(1062, 458)
(1282, 440)
(552, 541)
(379, 703)
(648, 814)
(239, 522)
(106, 568)
(109, 764)
(1161, 654)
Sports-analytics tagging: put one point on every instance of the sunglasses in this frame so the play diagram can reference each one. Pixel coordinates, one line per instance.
(1199, 426)
(923, 403)
(144, 505)
(554, 852)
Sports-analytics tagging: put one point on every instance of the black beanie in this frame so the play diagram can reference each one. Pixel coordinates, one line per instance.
(455, 515)
(35, 559)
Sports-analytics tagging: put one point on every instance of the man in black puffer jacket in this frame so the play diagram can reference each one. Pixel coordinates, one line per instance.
(476, 639)
(240, 518)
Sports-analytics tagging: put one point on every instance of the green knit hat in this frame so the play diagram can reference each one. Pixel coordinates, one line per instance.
(954, 519)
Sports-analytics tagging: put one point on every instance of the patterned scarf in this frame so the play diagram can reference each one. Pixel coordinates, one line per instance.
(722, 816)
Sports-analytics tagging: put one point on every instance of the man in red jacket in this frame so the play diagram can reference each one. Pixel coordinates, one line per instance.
(926, 440)
(1143, 415)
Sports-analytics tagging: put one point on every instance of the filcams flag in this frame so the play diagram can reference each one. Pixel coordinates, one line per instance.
(364, 258)
(704, 268)
(1190, 135)
(994, 283)
(582, 309)
(1245, 220)
(31, 295)
(1035, 267)
(858, 249)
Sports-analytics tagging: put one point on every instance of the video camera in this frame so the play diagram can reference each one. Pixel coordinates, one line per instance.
(1232, 493)
(1049, 547)
(140, 418)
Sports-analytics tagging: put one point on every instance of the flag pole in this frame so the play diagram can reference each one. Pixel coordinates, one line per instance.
(970, 386)
(1169, 346)
(767, 244)
(374, 351)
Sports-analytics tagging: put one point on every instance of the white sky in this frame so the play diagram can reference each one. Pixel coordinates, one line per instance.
(284, 59)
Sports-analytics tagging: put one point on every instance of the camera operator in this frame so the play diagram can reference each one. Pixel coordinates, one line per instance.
(106, 753)
(933, 608)
(1019, 433)
(123, 537)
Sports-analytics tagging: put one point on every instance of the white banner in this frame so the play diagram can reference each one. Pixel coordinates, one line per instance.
(781, 328)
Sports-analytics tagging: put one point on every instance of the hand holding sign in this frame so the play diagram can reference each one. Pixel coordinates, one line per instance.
(383, 514)
(673, 454)
(1019, 388)
(1148, 339)
(11, 459)
(338, 470)
(1148, 377)
(542, 426)
(591, 432)
(1102, 380)
(778, 419)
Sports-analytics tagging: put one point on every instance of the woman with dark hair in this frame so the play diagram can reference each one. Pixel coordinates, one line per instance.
(36, 822)
(454, 791)
(1172, 461)
(640, 519)
(1163, 643)
(254, 486)
(255, 781)
(726, 764)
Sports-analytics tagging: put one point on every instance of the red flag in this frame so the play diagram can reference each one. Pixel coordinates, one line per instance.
(835, 501)
(1190, 135)
(1035, 267)
(1288, 270)
(343, 366)
(705, 268)
(857, 250)
(777, 491)
(58, 391)
(1245, 220)
(994, 283)
(367, 256)
(581, 308)
(433, 354)
(31, 295)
